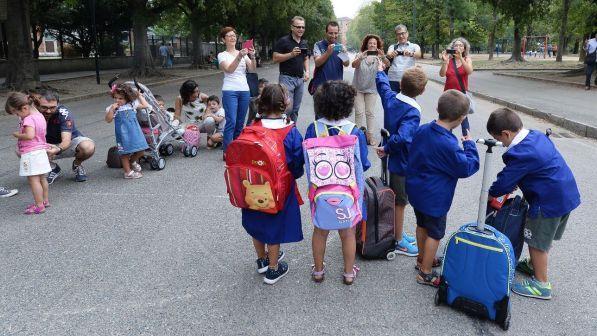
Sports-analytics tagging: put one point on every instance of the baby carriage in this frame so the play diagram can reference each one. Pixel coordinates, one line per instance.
(156, 127)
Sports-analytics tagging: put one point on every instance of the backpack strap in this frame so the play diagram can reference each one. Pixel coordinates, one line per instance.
(322, 130)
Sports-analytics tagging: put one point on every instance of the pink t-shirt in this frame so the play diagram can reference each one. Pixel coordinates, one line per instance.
(38, 122)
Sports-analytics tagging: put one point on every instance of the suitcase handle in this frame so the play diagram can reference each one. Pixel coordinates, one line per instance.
(490, 143)
(385, 167)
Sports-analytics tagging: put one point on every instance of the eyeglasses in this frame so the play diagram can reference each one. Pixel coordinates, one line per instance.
(299, 27)
(401, 33)
(46, 108)
(230, 35)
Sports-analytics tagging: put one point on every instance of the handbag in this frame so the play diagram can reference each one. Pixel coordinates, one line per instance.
(468, 95)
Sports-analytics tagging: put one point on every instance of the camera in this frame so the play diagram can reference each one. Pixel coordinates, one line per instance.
(451, 51)
(304, 51)
(371, 53)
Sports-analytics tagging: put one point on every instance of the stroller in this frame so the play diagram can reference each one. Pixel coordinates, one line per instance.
(156, 126)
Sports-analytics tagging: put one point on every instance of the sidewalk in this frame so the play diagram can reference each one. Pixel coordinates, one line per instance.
(573, 104)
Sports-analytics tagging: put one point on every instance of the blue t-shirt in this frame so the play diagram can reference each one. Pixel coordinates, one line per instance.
(61, 121)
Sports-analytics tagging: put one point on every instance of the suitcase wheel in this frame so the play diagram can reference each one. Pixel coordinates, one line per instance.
(506, 322)
(437, 299)
(391, 255)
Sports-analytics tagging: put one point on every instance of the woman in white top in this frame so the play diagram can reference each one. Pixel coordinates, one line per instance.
(365, 65)
(235, 91)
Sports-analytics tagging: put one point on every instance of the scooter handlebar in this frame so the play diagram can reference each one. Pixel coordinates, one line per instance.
(490, 142)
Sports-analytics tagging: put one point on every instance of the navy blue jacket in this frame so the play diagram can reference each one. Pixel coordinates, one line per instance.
(402, 115)
(435, 163)
(546, 181)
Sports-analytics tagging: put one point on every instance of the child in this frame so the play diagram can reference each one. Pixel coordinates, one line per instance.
(129, 137)
(32, 147)
(534, 164)
(253, 103)
(334, 101)
(217, 113)
(402, 115)
(285, 226)
(435, 164)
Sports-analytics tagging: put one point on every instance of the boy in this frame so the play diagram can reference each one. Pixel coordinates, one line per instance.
(435, 163)
(534, 164)
(217, 113)
(253, 103)
(402, 115)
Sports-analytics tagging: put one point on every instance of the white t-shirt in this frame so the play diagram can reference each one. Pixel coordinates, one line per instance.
(236, 81)
(220, 126)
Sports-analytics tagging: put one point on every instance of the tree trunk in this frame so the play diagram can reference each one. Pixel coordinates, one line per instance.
(581, 50)
(516, 55)
(491, 38)
(36, 39)
(563, 28)
(22, 70)
(197, 51)
(142, 60)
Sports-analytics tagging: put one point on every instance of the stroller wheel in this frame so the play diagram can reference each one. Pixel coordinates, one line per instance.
(193, 151)
(161, 163)
(169, 149)
(186, 151)
(153, 164)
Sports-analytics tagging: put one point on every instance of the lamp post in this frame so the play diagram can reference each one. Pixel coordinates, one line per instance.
(94, 32)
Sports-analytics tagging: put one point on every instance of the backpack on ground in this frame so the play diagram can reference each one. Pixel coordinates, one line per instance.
(113, 159)
(510, 220)
(257, 176)
(335, 177)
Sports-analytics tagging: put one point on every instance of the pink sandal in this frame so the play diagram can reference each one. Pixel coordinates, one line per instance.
(317, 276)
(349, 277)
(33, 209)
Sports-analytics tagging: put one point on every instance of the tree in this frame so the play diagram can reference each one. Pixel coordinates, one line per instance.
(22, 70)
(563, 29)
(521, 12)
(145, 14)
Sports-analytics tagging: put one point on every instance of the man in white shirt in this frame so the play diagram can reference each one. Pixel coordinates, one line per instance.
(402, 55)
(590, 59)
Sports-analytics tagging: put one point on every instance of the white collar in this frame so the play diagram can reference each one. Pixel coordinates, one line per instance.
(410, 101)
(274, 123)
(519, 137)
(341, 122)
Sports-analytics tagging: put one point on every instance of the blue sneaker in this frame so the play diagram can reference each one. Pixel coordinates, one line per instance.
(54, 174)
(80, 175)
(533, 288)
(273, 275)
(409, 239)
(406, 248)
(263, 263)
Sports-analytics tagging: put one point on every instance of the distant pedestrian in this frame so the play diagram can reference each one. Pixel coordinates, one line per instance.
(170, 55)
(31, 148)
(402, 55)
(591, 49)
(549, 50)
(330, 58)
(163, 54)
(456, 67)
(292, 53)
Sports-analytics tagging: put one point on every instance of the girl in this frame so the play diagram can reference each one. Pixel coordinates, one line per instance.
(285, 226)
(235, 90)
(32, 147)
(129, 137)
(333, 102)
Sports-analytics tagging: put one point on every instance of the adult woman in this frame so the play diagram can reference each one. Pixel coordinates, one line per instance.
(365, 65)
(235, 91)
(189, 107)
(457, 64)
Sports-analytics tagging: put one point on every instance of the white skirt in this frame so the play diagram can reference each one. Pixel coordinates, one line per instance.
(34, 163)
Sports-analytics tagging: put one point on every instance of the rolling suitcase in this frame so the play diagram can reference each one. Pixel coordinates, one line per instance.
(375, 236)
(479, 264)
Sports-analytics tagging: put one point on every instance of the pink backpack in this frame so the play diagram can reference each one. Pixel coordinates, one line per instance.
(335, 176)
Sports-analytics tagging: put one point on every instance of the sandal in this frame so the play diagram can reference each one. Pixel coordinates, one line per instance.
(437, 262)
(349, 277)
(136, 166)
(317, 276)
(430, 279)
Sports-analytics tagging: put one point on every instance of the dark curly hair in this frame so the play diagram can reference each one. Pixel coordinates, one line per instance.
(272, 100)
(126, 91)
(186, 90)
(366, 41)
(334, 100)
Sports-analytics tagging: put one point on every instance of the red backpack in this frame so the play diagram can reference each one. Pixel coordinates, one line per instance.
(257, 176)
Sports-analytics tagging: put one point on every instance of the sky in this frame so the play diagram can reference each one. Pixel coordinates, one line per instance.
(348, 7)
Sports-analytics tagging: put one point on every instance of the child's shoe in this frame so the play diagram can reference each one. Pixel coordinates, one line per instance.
(430, 279)
(33, 209)
(263, 263)
(136, 166)
(406, 248)
(409, 239)
(525, 266)
(533, 288)
(133, 175)
(348, 278)
(318, 276)
(273, 275)
(46, 204)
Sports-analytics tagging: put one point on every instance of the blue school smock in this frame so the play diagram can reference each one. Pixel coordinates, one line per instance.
(435, 163)
(538, 168)
(402, 115)
(286, 225)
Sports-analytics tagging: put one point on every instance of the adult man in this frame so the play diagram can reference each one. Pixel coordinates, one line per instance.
(64, 138)
(330, 57)
(402, 55)
(292, 53)
(163, 54)
(590, 59)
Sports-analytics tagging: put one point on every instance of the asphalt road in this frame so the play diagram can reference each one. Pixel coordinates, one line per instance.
(167, 255)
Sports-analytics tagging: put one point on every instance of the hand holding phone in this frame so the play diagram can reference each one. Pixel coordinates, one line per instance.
(338, 47)
(371, 52)
(248, 44)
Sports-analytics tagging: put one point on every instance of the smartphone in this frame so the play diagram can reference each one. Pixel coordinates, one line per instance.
(451, 51)
(399, 53)
(371, 52)
(248, 44)
(338, 47)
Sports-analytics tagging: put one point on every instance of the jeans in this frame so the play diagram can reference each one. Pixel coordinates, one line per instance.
(465, 126)
(395, 86)
(589, 72)
(295, 87)
(235, 104)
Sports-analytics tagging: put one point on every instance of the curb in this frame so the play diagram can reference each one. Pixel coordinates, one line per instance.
(554, 81)
(163, 82)
(577, 127)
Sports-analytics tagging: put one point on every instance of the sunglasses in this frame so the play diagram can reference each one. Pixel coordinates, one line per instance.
(299, 27)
